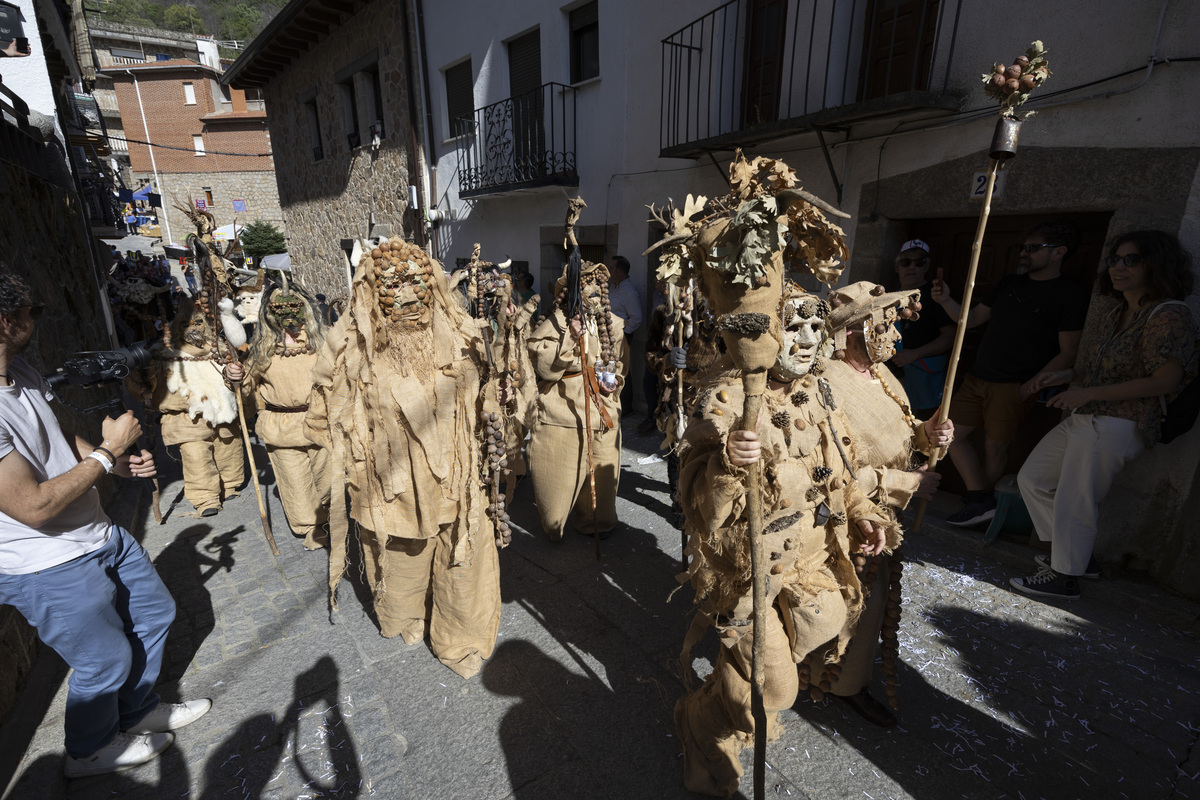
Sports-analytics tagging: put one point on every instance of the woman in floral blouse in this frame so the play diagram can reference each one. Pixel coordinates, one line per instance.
(1143, 349)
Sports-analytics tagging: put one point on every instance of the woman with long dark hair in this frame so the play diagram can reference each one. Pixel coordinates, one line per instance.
(1143, 349)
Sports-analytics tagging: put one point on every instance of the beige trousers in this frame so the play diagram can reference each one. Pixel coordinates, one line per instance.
(858, 662)
(558, 467)
(416, 590)
(302, 475)
(212, 470)
(715, 722)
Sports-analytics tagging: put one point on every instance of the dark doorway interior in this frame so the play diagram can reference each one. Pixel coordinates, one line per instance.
(950, 245)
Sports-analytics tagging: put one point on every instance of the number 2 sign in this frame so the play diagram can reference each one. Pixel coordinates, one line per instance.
(979, 185)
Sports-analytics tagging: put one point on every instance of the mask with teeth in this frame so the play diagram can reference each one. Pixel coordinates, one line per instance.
(287, 312)
(803, 328)
(881, 338)
(404, 286)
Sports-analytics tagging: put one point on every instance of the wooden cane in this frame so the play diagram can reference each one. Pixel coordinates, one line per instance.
(678, 314)
(758, 567)
(262, 509)
(587, 423)
(961, 331)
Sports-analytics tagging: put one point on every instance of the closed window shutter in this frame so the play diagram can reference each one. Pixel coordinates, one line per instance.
(460, 95)
(525, 64)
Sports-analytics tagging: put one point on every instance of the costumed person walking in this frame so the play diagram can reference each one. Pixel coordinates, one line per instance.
(558, 447)
(1131, 363)
(815, 519)
(199, 412)
(276, 376)
(886, 435)
(400, 394)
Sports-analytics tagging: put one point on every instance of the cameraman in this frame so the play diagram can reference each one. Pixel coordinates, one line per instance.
(83, 582)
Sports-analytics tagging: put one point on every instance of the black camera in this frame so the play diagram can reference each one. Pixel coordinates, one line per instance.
(100, 366)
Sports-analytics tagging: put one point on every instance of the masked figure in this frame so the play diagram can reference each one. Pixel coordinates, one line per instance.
(199, 412)
(399, 396)
(558, 450)
(887, 436)
(282, 354)
(815, 518)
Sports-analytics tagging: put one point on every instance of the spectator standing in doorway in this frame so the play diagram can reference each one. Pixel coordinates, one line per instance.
(627, 304)
(1036, 320)
(925, 340)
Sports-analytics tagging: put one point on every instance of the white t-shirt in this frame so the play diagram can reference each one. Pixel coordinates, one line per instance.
(28, 426)
(627, 304)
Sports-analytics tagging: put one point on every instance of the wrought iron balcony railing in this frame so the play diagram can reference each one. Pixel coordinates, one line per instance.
(753, 70)
(521, 142)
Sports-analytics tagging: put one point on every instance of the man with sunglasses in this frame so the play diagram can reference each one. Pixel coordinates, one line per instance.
(1035, 320)
(83, 582)
(921, 359)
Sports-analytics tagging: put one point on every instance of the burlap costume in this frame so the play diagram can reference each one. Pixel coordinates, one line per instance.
(199, 412)
(810, 505)
(406, 447)
(280, 392)
(558, 458)
(885, 434)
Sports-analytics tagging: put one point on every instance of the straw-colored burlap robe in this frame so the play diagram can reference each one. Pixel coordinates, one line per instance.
(199, 413)
(407, 450)
(301, 468)
(513, 351)
(810, 505)
(884, 442)
(558, 457)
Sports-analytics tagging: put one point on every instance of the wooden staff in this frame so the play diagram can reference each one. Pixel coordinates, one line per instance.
(961, 331)
(758, 567)
(677, 312)
(262, 509)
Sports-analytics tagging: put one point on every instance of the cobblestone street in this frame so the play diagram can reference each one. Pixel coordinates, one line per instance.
(1002, 696)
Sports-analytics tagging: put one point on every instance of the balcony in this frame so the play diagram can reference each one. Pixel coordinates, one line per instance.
(755, 70)
(522, 142)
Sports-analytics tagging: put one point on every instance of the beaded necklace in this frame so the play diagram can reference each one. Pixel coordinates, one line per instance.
(912, 421)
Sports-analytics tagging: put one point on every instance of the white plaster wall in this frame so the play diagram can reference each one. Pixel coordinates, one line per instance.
(28, 76)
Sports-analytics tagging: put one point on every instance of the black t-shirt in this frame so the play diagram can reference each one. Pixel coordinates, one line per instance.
(1027, 316)
(928, 326)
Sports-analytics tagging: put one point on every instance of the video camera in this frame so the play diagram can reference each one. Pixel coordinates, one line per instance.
(95, 367)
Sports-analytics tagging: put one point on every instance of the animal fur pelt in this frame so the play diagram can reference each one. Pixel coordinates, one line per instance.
(201, 384)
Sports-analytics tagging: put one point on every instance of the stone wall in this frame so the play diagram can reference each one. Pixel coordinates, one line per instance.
(334, 197)
(43, 237)
(258, 189)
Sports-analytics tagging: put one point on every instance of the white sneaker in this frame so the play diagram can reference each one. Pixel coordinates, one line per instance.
(172, 716)
(125, 751)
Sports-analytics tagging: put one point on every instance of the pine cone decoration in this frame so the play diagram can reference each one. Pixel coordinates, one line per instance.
(781, 419)
(821, 473)
(838, 519)
(812, 494)
(799, 398)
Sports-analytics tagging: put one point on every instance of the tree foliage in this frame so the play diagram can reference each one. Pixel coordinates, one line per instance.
(262, 239)
(226, 19)
(183, 18)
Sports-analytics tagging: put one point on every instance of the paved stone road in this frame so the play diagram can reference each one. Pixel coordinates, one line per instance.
(1003, 696)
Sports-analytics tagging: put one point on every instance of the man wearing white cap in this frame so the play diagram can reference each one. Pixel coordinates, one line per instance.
(925, 341)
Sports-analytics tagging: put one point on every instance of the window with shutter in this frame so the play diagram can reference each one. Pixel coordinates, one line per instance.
(460, 98)
(525, 85)
(585, 42)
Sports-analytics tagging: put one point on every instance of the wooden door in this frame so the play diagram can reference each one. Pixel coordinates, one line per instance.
(897, 47)
(762, 64)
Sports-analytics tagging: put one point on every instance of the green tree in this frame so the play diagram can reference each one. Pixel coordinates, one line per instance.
(183, 18)
(241, 22)
(262, 239)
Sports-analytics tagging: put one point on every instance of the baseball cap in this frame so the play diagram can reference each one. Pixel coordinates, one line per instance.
(914, 244)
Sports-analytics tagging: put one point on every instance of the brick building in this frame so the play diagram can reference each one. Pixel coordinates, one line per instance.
(206, 143)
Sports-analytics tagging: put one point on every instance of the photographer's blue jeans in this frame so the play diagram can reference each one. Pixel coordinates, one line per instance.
(107, 615)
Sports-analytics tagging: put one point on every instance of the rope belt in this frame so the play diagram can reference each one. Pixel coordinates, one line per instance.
(286, 409)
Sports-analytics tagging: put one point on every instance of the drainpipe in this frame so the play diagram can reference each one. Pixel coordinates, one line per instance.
(153, 167)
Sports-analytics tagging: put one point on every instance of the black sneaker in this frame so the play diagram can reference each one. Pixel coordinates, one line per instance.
(1048, 583)
(973, 513)
(1092, 572)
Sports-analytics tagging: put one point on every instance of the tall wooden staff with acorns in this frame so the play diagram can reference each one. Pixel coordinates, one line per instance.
(740, 251)
(1012, 86)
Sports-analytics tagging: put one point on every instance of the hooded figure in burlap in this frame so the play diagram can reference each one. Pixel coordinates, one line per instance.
(199, 412)
(558, 453)
(815, 518)
(886, 435)
(275, 379)
(399, 394)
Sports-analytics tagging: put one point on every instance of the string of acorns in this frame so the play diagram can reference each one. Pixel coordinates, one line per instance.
(497, 461)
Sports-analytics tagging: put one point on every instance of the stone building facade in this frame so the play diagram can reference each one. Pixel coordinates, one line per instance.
(209, 145)
(342, 127)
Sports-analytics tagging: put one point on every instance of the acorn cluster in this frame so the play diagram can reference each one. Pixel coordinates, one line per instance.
(497, 461)
(1012, 83)
(395, 257)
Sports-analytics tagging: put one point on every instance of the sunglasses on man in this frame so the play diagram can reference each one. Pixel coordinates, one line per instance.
(1030, 249)
(907, 262)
